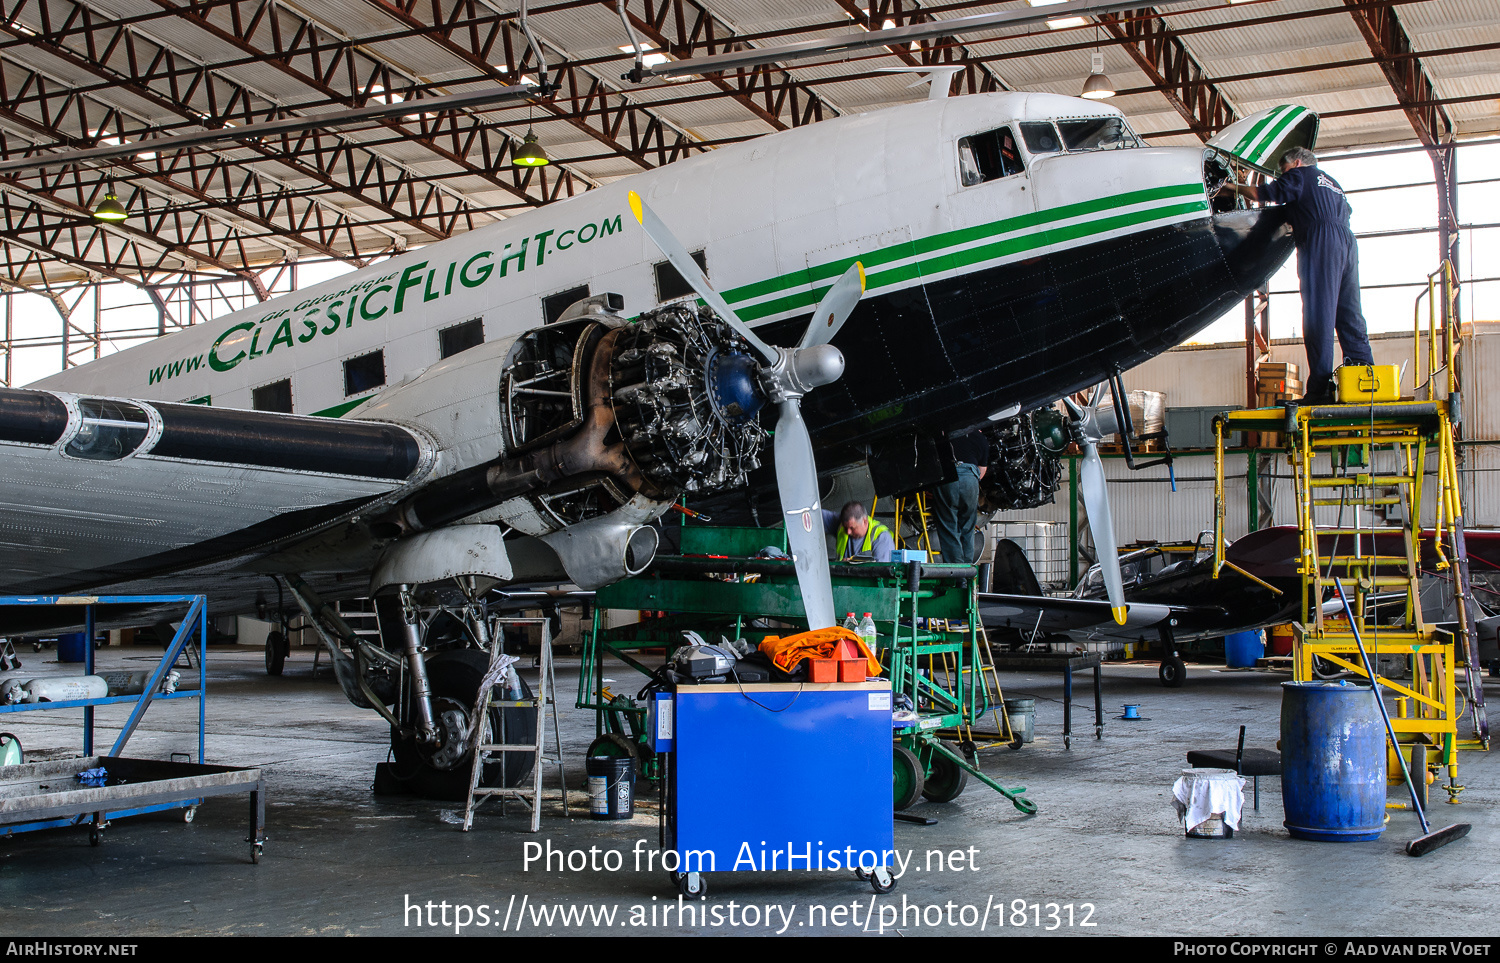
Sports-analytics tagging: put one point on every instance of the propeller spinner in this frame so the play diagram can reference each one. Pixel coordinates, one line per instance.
(786, 375)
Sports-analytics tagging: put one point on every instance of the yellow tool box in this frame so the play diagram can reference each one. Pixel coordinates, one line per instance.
(1361, 384)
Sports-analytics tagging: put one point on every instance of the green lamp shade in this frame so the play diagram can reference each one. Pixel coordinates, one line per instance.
(110, 209)
(531, 153)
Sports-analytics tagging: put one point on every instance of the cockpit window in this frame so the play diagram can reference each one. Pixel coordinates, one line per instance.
(1101, 133)
(988, 156)
(110, 430)
(1041, 138)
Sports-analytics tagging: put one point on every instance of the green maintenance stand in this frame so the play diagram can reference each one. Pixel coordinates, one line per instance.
(733, 597)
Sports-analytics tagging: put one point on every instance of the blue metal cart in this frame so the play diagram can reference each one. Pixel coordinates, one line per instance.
(775, 777)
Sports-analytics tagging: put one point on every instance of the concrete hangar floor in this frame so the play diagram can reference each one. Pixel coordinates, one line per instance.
(1103, 856)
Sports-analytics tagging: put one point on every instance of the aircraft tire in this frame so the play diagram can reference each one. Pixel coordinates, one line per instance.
(455, 678)
(277, 649)
(1173, 673)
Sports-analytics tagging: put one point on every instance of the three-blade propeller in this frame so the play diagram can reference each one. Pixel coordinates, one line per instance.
(786, 374)
(1091, 425)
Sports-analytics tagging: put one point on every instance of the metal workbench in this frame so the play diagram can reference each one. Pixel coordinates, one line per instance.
(1066, 663)
(41, 794)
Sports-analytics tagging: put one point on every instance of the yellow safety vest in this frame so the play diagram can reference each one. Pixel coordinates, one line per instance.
(871, 533)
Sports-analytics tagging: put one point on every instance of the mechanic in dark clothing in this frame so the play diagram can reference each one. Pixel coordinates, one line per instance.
(1327, 265)
(956, 506)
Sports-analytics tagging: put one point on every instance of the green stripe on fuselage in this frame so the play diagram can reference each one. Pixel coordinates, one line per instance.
(1254, 132)
(342, 408)
(975, 255)
(938, 242)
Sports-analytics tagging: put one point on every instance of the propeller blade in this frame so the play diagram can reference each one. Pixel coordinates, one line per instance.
(678, 255)
(797, 481)
(1096, 503)
(835, 307)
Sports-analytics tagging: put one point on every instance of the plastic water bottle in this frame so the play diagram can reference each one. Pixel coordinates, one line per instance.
(850, 624)
(867, 631)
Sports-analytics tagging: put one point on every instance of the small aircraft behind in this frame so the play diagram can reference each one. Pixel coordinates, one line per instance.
(519, 405)
(1183, 601)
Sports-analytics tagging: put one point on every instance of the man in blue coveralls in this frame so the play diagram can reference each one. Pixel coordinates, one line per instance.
(1327, 266)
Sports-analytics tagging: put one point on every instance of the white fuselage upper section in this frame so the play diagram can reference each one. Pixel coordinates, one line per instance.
(775, 217)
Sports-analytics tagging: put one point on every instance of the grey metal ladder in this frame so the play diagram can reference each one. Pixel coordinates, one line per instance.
(543, 698)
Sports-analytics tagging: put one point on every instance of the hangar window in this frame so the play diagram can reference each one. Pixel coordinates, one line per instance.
(988, 156)
(1100, 133)
(670, 284)
(109, 430)
(276, 396)
(364, 372)
(554, 305)
(460, 337)
(1041, 138)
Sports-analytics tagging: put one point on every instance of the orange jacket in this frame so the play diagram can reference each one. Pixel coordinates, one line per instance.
(785, 653)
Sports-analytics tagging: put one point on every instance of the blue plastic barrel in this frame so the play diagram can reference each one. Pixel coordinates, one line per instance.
(71, 647)
(1242, 649)
(1332, 762)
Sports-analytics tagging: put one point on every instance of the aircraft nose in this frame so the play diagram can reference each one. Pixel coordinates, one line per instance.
(1255, 244)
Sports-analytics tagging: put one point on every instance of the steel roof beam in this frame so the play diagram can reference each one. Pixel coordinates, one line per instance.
(173, 81)
(1162, 56)
(492, 43)
(680, 27)
(1391, 45)
(975, 78)
(351, 75)
(248, 195)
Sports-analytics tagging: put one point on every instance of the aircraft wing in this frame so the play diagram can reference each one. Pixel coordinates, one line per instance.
(1092, 620)
(95, 491)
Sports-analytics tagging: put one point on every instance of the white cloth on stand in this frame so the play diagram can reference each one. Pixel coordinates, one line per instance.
(1199, 793)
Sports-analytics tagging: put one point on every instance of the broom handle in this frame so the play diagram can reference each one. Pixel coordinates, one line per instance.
(1390, 730)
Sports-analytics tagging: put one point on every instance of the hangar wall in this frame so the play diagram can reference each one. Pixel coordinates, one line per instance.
(1145, 507)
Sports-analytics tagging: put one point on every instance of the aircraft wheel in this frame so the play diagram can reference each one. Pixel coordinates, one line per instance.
(1173, 673)
(277, 649)
(907, 777)
(442, 771)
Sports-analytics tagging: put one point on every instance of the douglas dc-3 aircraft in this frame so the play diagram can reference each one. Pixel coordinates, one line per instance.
(423, 421)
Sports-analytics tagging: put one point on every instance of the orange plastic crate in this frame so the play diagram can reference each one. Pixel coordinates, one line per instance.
(853, 670)
(823, 670)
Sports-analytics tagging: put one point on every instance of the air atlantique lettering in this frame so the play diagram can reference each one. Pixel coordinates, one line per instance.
(393, 294)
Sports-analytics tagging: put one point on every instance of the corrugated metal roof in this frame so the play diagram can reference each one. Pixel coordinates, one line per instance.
(1259, 54)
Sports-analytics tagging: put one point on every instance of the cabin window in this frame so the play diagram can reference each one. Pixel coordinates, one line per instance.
(460, 337)
(671, 285)
(1100, 133)
(276, 396)
(364, 372)
(988, 156)
(554, 305)
(1041, 138)
(109, 430)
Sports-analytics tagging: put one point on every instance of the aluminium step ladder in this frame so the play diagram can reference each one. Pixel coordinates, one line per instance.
(542, 700)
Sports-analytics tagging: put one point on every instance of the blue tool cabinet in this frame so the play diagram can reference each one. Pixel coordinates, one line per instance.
(758, 770)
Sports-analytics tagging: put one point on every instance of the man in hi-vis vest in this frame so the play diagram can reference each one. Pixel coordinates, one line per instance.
(858, 534)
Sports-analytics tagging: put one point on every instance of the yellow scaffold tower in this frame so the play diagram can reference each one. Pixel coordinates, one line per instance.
(1368, 471)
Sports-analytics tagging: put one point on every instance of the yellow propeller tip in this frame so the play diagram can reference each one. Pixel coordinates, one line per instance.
(635, 208)
(861, 274)
(1119, 613)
